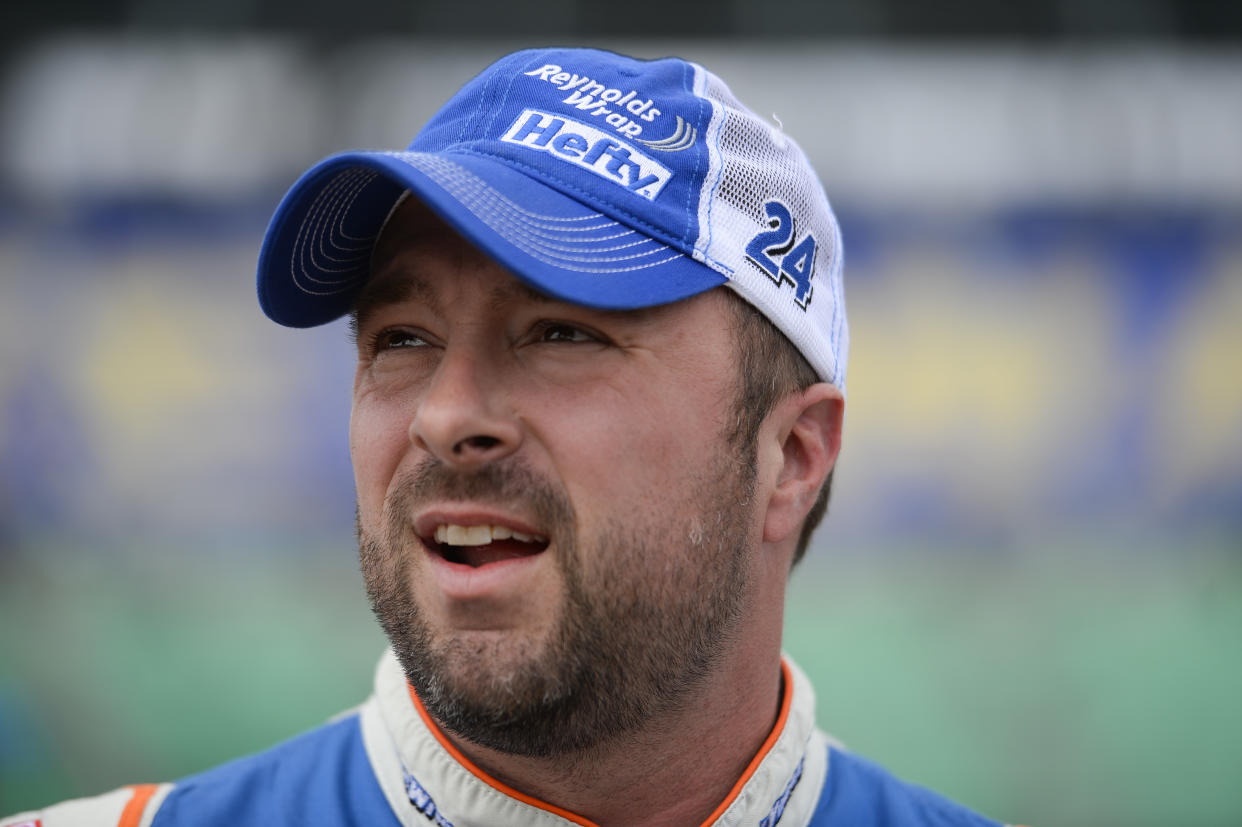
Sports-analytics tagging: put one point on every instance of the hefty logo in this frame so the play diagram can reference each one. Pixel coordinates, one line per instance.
(590, 148)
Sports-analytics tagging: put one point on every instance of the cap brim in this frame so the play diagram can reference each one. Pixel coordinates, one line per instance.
(316, 254)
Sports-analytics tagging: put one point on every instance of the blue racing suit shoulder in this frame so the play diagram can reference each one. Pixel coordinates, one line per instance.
(322, 777)
(859, 793)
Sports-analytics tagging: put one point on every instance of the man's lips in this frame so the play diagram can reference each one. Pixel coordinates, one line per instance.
(477, 539)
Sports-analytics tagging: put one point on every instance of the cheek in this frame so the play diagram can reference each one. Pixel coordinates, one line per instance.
(378, 440)
(636, 455)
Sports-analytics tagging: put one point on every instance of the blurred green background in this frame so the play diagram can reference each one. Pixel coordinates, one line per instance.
(1028, 591)
(1074, 687)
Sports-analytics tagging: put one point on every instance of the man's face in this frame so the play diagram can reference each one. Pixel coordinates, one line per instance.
(554, 533)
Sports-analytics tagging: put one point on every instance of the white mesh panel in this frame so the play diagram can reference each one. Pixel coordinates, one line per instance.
(753, 163)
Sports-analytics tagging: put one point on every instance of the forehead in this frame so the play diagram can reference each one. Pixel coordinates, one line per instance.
(415, 248)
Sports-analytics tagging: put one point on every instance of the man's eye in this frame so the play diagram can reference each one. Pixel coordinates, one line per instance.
(559, 332)
(397, 339)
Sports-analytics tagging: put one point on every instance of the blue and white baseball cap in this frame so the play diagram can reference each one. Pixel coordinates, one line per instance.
(598, 179)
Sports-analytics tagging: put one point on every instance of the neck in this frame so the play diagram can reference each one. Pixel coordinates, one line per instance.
(682, 768)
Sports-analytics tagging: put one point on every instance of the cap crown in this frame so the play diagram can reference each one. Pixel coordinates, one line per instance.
(665, 148)
(598, 178)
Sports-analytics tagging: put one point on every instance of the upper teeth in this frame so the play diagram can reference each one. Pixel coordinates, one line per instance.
(481, 535)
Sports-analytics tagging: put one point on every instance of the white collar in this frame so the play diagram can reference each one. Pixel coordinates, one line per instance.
(426, 781)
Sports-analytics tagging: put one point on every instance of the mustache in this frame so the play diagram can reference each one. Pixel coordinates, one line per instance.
(508, 484)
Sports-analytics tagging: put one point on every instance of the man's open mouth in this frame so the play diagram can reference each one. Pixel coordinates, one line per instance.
(478, 545)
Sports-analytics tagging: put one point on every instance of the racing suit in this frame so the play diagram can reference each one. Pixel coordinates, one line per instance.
(386, 764)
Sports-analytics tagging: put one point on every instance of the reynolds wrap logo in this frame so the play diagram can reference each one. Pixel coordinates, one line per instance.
(624, 111)
(590, 148)
(590, 95)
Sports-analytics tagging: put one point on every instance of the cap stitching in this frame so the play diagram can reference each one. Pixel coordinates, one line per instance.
(480, 204)
(576, 189)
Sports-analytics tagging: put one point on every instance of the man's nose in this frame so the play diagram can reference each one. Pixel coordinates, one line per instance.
(464, 419)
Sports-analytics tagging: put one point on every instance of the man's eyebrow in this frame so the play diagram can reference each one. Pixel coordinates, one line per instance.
(518, 289)
(391, 287)
(402, 285)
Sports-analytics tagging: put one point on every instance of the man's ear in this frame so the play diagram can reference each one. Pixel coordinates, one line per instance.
(806, 429)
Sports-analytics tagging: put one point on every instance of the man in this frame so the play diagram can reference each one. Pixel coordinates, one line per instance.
(600, 385)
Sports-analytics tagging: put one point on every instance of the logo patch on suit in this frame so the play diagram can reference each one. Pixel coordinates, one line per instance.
(421, 799)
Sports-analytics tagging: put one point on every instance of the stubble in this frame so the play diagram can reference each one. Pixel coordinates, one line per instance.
(649, 605)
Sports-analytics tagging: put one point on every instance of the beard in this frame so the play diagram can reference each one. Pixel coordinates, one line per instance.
(648, 607)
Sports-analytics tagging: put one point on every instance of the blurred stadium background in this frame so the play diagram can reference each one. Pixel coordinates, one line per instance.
(1028, 593)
